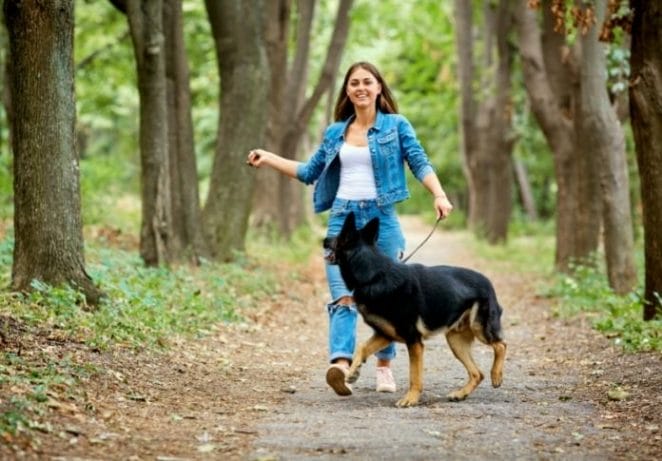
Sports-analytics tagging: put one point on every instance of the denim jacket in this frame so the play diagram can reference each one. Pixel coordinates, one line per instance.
(391, 140)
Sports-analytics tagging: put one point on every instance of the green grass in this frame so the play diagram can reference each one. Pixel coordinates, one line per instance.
(148, 306)
(619, 317)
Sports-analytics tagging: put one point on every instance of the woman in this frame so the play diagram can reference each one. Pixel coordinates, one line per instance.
(359, 167)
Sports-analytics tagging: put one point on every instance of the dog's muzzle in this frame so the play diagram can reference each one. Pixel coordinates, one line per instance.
(329, 252)
(329, 255)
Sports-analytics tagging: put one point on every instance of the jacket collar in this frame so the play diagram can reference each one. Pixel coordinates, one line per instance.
(377, 126)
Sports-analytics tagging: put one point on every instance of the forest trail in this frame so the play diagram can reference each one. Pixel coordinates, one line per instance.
(256, 391)
(553, 403)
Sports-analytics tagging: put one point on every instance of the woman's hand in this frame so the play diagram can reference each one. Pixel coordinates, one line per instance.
(442, 206)
(258, 157)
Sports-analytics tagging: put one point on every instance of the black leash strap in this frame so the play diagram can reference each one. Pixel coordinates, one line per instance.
(423, 242)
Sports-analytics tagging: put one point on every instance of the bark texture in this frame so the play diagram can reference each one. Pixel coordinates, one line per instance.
(187, 240)
(646, 115)
(605, 144)
(47, 204)
(551, 78)
(146, 26)
(486, 114)
(242, 123)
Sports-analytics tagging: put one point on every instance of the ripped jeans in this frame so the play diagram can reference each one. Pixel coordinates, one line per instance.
(343, 319)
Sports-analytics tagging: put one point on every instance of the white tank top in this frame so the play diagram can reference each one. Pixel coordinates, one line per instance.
(357, 179)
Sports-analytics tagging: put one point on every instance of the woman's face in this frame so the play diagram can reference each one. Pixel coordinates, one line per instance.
(362, 88)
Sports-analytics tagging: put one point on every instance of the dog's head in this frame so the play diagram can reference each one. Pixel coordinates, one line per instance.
(337, 249)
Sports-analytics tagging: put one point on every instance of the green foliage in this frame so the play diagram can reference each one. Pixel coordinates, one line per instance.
(106, 92)
(6, 188)
(205, 83)
(586, 290)
(109, 193)
(108, 103)
(33, 383)
(532, 150)
(145, 306)
(531, 248)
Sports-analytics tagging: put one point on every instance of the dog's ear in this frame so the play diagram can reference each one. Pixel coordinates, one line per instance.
(348, 234)
(349, 225)
(370, 232)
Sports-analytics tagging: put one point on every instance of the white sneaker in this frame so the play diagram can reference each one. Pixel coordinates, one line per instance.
(385, 381)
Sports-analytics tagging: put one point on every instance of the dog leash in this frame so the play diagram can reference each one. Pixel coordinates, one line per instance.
(423, 242)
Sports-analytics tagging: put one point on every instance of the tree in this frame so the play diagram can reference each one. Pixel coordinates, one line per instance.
(47, 212)
(187, 240)
(241, 58)
(146, 26)
(486, 111)
(566, 83)
(605, 142)
(551, 78)
(646, 113)
(171, 220)
(278, 198)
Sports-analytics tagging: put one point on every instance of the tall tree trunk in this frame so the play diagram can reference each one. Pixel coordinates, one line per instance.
(486, 124)
(171, 228)
(187, 240)
(549, 77)
(291, 111)
(145, 19)
(47, 205)
(646, 114)
(605, 142)
(244, 84)
(266, 203)
(501, 180)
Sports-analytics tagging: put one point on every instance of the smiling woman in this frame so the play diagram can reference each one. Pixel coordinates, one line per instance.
(359, 168)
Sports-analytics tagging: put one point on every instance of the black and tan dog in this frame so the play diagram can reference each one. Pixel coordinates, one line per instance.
(411, 302)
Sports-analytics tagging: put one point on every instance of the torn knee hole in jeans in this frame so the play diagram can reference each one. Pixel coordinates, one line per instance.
(332, 307)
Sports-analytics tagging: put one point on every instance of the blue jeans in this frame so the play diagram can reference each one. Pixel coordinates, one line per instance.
(342, 318)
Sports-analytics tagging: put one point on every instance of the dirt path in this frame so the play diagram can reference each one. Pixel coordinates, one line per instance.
(553, 404)
(256, 391)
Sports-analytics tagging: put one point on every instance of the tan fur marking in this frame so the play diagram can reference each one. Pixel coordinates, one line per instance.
(375, 343)
(466, 320)
(413, 395)
(460, 344)
(384, 326)
(497, 367)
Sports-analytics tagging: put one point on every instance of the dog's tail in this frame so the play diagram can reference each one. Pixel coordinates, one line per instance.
(489, 317)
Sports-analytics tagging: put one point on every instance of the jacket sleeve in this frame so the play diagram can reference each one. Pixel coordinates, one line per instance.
(412, 151)
(310, 170)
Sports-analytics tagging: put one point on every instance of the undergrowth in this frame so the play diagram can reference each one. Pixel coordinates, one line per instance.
(585, 290)
(145, 308)
(619, 317)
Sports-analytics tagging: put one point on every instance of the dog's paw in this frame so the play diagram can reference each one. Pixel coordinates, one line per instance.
(353, 375)
(497, 379)
(457, 396)
(410, 399)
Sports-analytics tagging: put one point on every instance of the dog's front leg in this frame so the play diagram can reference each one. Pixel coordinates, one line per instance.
(376, 343)
(413, 395)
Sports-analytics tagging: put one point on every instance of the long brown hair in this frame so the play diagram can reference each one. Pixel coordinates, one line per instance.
(385, 101)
